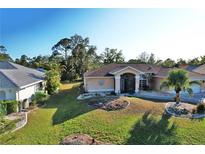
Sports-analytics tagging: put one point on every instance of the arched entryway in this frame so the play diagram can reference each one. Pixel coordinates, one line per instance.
(127, 83)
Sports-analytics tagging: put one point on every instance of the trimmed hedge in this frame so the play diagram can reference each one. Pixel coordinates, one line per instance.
(8, 106)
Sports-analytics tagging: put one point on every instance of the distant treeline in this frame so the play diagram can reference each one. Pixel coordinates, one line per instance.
(75, 55)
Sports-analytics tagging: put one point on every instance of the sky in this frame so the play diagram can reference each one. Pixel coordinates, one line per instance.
(168, 33)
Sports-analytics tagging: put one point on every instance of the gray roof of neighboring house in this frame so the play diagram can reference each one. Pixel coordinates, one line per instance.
(200, 69)
(163, 72)
(109, 69)
(19, 75)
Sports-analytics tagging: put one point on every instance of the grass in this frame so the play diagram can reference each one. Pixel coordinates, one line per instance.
(142, 122)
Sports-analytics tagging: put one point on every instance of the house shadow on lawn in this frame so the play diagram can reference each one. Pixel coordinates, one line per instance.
(67, 106)
(149, 131)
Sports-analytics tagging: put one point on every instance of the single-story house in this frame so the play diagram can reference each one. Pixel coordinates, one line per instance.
(125, 78)
(19, 83)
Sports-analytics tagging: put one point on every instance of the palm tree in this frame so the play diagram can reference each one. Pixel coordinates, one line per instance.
(179, 80)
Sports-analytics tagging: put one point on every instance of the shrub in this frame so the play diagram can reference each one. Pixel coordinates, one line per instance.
(6, 125)
(52, 81)
(8, 106)
(200, 108)
(39, 97)
(2, 109)
(12, 106)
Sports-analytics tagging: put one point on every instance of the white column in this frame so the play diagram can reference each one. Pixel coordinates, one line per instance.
(137, 82)
(117, 84)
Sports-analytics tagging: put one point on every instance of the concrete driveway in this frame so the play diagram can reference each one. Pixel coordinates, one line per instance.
(164, 96)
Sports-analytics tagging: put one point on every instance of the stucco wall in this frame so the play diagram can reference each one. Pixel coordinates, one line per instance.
(156, 82)
(27, 92)
(99, 84)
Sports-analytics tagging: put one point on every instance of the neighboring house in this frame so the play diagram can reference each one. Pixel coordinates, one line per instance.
(200, 69)
(126, 78)
(19, 83)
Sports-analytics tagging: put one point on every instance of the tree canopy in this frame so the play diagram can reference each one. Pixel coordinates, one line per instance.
(73, 56)
(4, 56)
(112, 56)
(179, 80)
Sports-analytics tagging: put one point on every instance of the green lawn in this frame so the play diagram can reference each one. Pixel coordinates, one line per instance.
(141, 123)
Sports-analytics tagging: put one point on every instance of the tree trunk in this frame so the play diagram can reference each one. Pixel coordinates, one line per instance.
(177, 99)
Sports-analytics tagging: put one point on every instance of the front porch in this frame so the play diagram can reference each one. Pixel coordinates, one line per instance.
(130, 80)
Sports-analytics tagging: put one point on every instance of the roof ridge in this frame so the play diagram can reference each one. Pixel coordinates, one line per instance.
(28, 68)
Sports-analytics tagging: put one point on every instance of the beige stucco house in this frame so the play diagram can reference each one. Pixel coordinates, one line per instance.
(126, 78)
(19, 83)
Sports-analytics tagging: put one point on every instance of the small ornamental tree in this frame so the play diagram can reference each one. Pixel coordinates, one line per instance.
(179, 80)
(52, 81)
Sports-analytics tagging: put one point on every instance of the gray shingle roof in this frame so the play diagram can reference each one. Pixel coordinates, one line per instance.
(107, 70)
(200, 69)
(19, 75)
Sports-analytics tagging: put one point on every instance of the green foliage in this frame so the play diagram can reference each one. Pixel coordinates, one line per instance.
(177, 79)
(6, 125)
(168, 63)
(12, 106)
(52, 81)
(3, 55)
(63, 115)
(200, 108)
(8, 106)
(40, 97)
(144, 58)
(75, 56)
(112, 56)
(2, 109)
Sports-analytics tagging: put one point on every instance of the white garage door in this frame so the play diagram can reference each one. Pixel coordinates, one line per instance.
(196, 88)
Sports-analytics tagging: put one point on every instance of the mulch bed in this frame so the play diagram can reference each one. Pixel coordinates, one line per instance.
(115, 105)
(80, 139)
(109, 103)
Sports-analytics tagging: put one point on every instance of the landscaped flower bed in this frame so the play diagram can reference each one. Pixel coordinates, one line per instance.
(184, 110)
(108, 103)
(115, 105)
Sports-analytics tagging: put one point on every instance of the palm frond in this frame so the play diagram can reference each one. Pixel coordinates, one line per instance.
(190, 91)
(196, 82)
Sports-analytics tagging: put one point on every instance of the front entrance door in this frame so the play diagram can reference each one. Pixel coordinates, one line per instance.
(127, 83)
